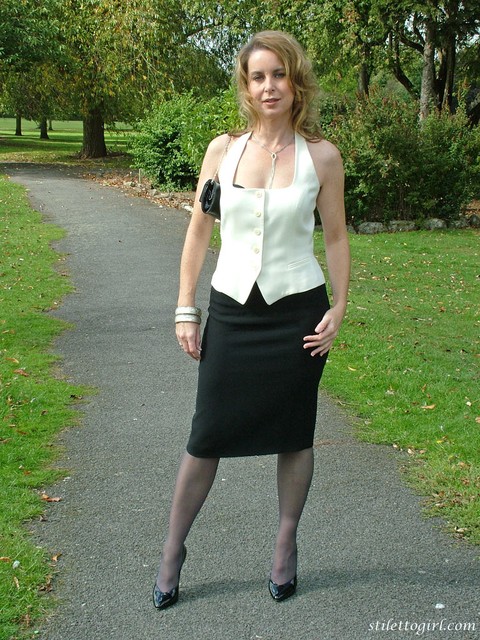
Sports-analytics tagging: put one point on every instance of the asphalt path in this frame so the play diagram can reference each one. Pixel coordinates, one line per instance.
(370, 564)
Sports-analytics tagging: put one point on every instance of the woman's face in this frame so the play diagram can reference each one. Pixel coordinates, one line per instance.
(268, 84)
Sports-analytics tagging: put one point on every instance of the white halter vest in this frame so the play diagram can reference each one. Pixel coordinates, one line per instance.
(267, 234)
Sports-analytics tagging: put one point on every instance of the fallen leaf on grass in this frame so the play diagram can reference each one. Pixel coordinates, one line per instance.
(26, 620)
(17, 584)
(477, 420)
(21, 372)
(5, 559)
(412, 452)
(428, 406)
(47, 586)
(47, 498)
(56, 557)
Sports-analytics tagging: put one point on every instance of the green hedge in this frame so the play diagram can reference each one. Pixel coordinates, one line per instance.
(396, 167)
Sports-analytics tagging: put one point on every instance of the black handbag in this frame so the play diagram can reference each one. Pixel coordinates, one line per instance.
(210, 196)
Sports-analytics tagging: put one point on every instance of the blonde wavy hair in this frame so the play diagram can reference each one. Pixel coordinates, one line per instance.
(299, 73)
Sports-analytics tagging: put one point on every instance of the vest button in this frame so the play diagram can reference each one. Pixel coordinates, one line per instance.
(258, 213)
(259, 194)
(256, 250)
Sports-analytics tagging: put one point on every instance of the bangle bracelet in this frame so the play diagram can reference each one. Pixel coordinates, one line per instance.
(195, 311)
(187, 317)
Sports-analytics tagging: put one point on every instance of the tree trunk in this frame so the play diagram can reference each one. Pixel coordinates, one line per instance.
(396, 66)
(450, 60)
(364, 71)
(93, 135)
(427, 94)
(50, 125)
(474, 115)
(18, 124)
(43, 129)
(449, 46)
(363, 80)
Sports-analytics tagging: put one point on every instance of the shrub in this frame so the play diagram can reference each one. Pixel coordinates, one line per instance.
(170, 143)
(449, 169)
(377, 139)
(156, 147)
(397, 167)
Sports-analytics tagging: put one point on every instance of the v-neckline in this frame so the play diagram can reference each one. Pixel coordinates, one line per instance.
(247, 137)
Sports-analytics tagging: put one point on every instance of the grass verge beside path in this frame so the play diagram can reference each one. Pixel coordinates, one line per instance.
(34, 405)
(407, 361)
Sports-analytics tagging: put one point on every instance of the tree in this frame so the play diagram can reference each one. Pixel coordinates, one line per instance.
(418, 41)
(340, 37)
(28, 32)
(124, 55)
(435, 31)
(32, 94)
(28, 38)
(358, 35)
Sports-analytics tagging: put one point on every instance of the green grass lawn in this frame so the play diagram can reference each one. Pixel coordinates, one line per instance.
(34, 403)
(407, 361)
(63, 146)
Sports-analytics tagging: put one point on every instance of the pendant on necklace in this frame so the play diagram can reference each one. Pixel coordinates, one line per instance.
(273, 155)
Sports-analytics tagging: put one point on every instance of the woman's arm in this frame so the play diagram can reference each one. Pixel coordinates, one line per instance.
(195, 249)
(330, 203)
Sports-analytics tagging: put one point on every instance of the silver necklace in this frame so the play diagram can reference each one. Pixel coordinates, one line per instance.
(273, 155)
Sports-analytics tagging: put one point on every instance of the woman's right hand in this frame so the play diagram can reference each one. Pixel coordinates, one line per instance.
(188, 336)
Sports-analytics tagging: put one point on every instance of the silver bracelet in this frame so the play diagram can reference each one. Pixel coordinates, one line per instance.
(187, 317)
(195, 311)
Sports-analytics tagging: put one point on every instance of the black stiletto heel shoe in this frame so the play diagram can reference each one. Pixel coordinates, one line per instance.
(164, 599)
(281, 592)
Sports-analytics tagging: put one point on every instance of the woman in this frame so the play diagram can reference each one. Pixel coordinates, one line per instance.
(270, 326)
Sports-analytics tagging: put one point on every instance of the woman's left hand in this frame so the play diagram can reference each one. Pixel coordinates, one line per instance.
(325, 332)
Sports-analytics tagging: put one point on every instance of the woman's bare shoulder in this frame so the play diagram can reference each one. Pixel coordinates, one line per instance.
(214, 152)
(324, 152)
(327, 161)
(219, 142)
(219, 145)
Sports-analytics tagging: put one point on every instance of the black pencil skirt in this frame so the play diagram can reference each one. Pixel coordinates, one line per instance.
(257, 385)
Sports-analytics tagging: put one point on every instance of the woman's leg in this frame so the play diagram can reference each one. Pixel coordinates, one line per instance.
(294, 476)
(194, 480)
